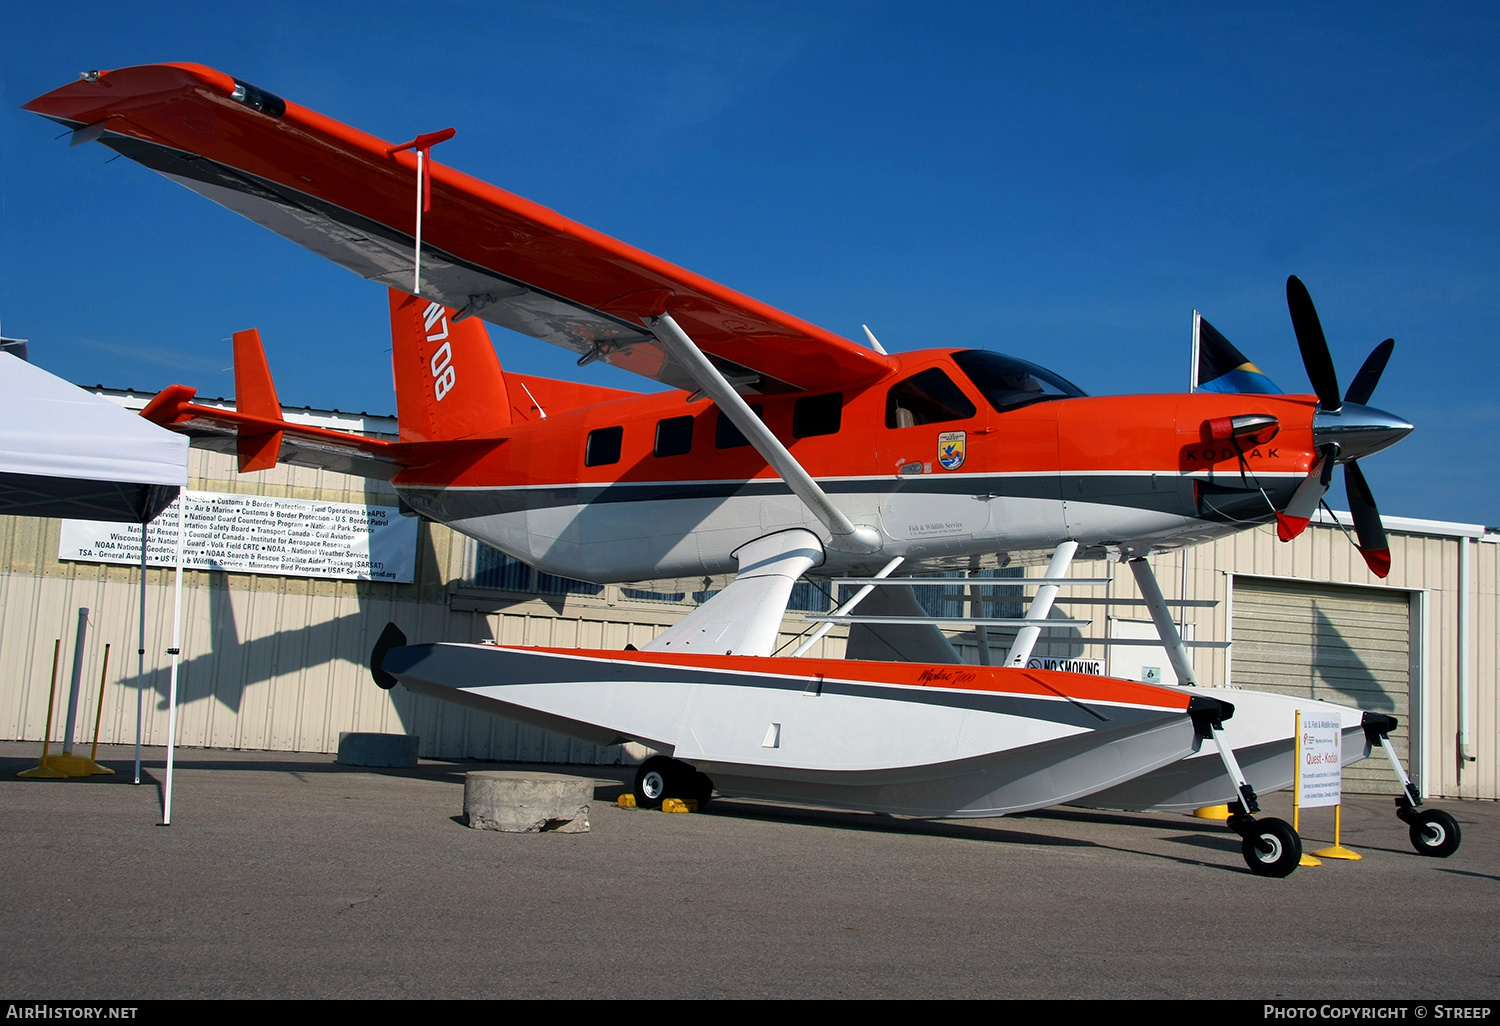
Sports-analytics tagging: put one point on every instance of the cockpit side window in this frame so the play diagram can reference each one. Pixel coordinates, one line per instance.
(930, 397)
(1009, 383)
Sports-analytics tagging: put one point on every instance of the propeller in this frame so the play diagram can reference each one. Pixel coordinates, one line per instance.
(1369, 374)
(1367, 526)
(1344, 425)
(1314, 346)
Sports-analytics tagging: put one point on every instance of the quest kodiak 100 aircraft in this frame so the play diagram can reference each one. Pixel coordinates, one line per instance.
(812, 452)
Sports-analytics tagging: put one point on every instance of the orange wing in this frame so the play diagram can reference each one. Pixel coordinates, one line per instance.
(485, 252)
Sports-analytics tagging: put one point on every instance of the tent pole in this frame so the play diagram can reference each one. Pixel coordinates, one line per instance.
(73, 692)
(140, 657)
(176, 651)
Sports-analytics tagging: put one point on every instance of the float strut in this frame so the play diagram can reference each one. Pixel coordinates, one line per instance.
(1041, 605)
(1248, 800)
(1161, 616)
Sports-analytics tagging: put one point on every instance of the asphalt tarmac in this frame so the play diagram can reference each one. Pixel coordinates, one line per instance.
(285, 875)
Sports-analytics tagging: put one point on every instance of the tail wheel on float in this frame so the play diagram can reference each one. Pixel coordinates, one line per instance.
(656, 780)
(660, 778)
(1434, 833)
(1271, 847)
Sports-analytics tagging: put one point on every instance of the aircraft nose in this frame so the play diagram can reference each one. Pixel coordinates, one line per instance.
(1358, 430)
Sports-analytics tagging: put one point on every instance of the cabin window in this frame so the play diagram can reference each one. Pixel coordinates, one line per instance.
(930, 397)
(674, 436)
(817, 415)
(603, 447)
(727, 436)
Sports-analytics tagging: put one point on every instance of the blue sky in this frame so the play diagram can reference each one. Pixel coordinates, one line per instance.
(1062, 182)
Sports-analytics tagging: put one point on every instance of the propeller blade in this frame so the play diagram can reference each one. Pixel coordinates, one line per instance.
(1293, 520)
(1369, 375)
(1314, 346)
(1367, 527)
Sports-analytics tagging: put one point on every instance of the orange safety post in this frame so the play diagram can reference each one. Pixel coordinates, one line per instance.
(98, 713)
(41, 771)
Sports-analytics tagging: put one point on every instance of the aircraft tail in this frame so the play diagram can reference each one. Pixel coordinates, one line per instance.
(449, 383)
(255, 396)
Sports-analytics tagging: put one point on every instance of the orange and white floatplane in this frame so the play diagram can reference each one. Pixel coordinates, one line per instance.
(811, 451)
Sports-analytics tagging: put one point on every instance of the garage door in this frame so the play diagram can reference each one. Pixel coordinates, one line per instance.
(1351, 646)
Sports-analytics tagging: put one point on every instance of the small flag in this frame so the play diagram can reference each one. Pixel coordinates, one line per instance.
(1223, 368)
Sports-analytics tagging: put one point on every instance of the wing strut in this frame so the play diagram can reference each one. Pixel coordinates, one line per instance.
(846, 535)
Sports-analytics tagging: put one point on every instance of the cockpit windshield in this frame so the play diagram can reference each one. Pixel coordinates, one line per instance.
(1009, 383)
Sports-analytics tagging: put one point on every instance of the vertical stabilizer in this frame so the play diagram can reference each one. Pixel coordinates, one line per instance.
(448, 379)
(255, 396)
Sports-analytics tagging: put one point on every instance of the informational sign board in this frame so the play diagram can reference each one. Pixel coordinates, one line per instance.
(1319, 773)
(256, 534)
(1091, 666)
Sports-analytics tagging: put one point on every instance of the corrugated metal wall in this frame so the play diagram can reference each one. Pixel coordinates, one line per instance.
(279, 663)
(1351, 646)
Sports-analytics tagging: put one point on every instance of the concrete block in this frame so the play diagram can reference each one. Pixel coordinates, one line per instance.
(521, 803)
(357, 749)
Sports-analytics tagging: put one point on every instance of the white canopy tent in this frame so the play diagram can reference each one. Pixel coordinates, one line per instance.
(67, 453)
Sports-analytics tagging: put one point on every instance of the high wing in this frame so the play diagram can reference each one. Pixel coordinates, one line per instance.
(485, 252)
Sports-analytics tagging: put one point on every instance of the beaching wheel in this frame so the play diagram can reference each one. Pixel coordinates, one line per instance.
(1272, 848)
(658, 779)
(1434, 833)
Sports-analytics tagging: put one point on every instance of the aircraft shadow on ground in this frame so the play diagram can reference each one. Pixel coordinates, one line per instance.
(1477, 876)
(1006, 831)
(1002, 832)
(205, 675)
(865, 822)
(232, 664)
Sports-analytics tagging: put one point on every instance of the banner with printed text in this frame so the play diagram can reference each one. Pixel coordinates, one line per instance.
(255, 534)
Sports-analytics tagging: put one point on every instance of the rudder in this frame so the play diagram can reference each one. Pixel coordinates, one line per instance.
(449, 383)
(255, 396)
